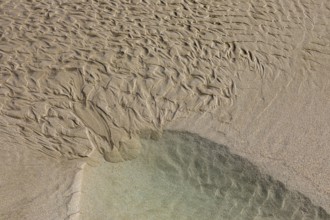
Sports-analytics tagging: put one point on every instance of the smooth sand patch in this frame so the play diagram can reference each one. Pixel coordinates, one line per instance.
(34, 186)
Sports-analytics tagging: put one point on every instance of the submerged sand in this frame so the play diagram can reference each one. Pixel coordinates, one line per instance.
(183, 176)
(82, 81)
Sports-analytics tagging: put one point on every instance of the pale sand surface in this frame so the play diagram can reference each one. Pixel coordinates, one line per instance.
(85, 78)
(35, 186)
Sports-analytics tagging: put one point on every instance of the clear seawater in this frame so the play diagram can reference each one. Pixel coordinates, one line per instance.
(183, 176)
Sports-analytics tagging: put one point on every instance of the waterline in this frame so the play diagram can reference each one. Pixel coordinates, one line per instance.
(183, 176)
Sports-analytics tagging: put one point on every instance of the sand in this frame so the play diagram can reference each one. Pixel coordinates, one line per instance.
(183, 176)
(81, 82)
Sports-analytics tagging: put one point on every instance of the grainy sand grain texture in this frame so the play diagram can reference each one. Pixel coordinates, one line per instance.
(83, 80)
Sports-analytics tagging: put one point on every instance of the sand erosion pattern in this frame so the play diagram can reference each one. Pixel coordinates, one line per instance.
(183, 176)
(83, 75)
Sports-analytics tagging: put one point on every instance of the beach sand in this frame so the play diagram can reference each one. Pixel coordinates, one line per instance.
(183, 176)
(85, 85)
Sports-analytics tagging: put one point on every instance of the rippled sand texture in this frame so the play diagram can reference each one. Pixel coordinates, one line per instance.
(82, 74)
(183, 176)
(82, 77)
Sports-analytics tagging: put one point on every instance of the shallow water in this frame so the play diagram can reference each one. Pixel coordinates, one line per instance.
(183, 176)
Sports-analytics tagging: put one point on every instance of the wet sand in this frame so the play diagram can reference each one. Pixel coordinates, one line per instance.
(183, 176)
(82, 81)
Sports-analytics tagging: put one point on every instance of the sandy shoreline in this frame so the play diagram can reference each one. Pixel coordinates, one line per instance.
(80, 80)
(183, 176)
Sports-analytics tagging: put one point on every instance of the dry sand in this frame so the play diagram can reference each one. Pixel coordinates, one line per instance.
(83, 81)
